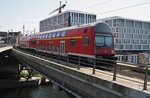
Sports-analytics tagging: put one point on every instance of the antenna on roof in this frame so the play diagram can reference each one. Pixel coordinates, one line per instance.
(59, 9)
(23, 29)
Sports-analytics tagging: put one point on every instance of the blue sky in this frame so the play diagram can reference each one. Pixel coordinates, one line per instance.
(15, 13)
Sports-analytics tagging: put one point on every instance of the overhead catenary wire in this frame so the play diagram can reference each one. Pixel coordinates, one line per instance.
(100, 3)
(127, 7)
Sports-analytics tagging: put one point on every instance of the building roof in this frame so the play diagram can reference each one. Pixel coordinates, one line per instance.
(74, 11)
(2, 33)
(14, 33)
(120, 17)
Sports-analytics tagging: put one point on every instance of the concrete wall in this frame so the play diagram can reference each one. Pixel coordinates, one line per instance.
(8, 66)
(86, 85)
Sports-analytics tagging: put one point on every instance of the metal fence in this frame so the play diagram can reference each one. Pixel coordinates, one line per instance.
(98, 63)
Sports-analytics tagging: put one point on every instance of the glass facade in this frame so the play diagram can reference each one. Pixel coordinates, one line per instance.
(129, 34)
(66, 19)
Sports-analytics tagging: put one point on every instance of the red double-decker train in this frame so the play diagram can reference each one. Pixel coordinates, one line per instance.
(88, 40)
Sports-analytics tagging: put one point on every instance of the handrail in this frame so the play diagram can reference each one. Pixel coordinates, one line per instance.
(112, 66)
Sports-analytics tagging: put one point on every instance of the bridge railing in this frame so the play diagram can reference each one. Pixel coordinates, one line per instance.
(140, 73)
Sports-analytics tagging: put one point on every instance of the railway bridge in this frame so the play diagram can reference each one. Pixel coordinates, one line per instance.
(9, 71)
(6, 59)
(84, 81)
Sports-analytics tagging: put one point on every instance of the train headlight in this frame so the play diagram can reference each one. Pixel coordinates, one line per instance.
(112, 51)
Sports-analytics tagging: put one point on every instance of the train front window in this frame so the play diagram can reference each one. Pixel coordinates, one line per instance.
(99, 40)
(103, 40)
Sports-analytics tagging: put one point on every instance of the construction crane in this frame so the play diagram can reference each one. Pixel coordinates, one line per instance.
(58, 9)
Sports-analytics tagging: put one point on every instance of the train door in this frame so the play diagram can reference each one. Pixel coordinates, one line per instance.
(62, 47)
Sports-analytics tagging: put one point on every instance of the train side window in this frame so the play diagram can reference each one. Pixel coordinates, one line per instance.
(46, 36)
(85, 30)
(53, 35)
(63, 34)
(53, 48)
(43, 36)
(72, 42)
(41, 47)
(58, 34)
(85, 40)
(49, 48)
(50, 35)
(57, 48)
(45, 48)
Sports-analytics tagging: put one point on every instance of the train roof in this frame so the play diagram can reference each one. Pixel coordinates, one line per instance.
(73, 27)
(96, 28)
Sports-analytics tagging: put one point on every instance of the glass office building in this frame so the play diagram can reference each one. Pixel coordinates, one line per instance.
(130, 36)
(66, 19)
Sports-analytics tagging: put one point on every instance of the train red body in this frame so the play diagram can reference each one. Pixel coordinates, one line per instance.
(94, 40)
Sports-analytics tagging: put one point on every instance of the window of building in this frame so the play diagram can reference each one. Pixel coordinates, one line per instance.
(116, 41)
(117, 29)
(120, 22)
(85, 40)
(114, 22)
(138, 24)
(146, 25)
(129, 23)
(116, 35)
(109, 22)
(148, 41)
(131, 46)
